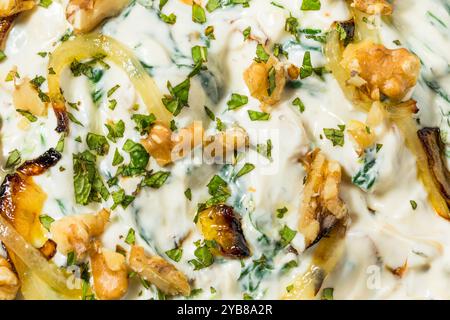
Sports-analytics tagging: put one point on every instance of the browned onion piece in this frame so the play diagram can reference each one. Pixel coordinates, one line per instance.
(220, 224)
(5, 26)
(434, 147)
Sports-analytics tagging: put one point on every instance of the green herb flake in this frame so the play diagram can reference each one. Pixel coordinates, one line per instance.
(28, 115)
(131, 237)
(71, 260)
(169, 19)
(115, 130)
(261, 54)
(45, 3)
(198, 14)
(272, 81)
(309, 5)
(143, 122)
(46, 221)
(258, 116)
(287, 235)
(281, 212)
(97, 143)
(336, 136)
(306, 70)
(175, 254)
(156, 180)
(247, 33)
(413, 204)
(188, 194)
(327, 294)
(213, 5)
(299, 104)
(237, 101)
(13, 160)
(246, 169)
(118, 158)
(112, 90)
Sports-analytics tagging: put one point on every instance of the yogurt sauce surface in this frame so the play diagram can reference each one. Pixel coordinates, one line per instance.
(385, 231)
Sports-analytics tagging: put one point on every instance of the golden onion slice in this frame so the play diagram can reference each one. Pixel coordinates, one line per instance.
(326, 256)
(93, 45)
(401, 115)
(40, 278)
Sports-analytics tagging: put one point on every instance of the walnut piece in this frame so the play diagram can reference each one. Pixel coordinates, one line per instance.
(257, 79)
(9, 283)
(74, 233)
(109, 272)
(86, 15)
(321, 207)
(383, 71)
(159, 272)
(11, 7)
(373, 7)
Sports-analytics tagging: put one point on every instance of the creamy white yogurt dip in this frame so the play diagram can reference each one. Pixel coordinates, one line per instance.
(386, 231)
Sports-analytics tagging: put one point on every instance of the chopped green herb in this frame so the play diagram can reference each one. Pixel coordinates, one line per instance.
(299, 104)
(258, 116)
(198, 14)
(210, 114)
(143, 122)
(27, 114)
(156, 180)
(46, 221)
(237, 101)
(261, 54)
(169, 19)
(247, 32)
(45, 3)
(327, 294)
(306, 70)
(13, 160)
(131, 237)
(413, 204)
(310, 5)
(97, 143)
(118, 159)
(287, 235)
(115, 130)
(281, 212)
(336, 136)
(188, 194)
(247, 168)
(88, 184)
(175, 254)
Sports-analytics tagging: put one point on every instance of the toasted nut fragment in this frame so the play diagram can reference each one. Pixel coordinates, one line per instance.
(383, 71)
(224, 144)
(48, 250)
(74, 233)
(220, 224)
(167, 147)
(12, 7)
(293, 72)
(362, 134)
(9, 283)
(187, 139)
(85, 15)
(109, 272)
(159, 272)
(373, 6)
(26, 97)
(321, 207)
(257, 79)
(159, 144)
